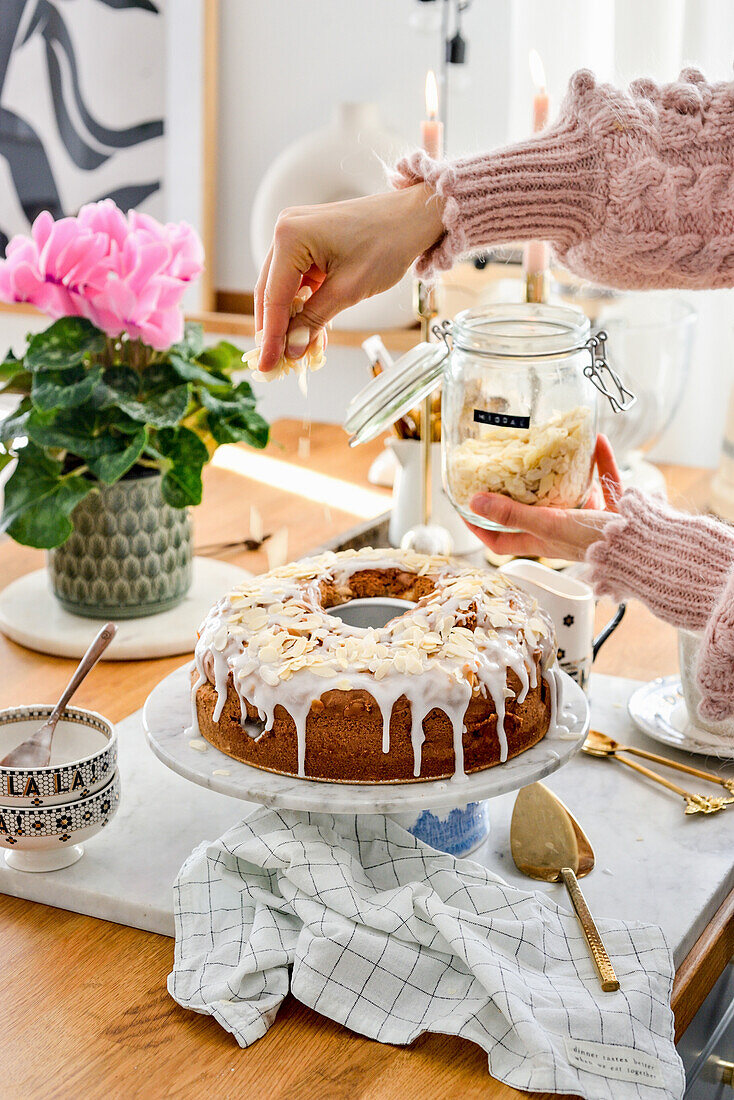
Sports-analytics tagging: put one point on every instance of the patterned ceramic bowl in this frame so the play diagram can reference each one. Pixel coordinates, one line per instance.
(83, 756)
(45, 838)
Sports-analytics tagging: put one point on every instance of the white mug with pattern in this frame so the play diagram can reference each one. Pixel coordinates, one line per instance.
(570, 604)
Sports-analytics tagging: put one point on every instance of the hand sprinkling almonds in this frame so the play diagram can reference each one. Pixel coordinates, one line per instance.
(313, 358)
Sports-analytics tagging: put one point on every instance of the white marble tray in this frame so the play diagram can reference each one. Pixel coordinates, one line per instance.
(32, 616)
(653, 862)
(167, 714)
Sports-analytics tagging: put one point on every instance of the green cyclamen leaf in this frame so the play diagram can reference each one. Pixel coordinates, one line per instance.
(5, 458)
(247, 427)
(73, 430)
(163, 410)
(187, 454)
(223, 357)
(232, 418)
(19, 383)
(39, 501)
(239, 399)
(181, 446)
(192, 343)
(15, 425)
(109, 468)
(64, 389)
(120, 381)
(10, 367)
(181, 486)
(65, 343)
(14, 378)
(192, 372)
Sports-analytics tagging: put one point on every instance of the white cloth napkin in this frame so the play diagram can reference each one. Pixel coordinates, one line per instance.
(392, 939)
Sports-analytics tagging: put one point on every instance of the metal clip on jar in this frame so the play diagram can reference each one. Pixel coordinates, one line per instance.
(519, 403)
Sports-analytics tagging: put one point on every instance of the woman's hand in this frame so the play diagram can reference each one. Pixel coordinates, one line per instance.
(551, 532)
(344, 251)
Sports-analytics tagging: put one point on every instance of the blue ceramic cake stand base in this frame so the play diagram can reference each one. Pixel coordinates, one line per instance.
(451, 815)
(458, 831)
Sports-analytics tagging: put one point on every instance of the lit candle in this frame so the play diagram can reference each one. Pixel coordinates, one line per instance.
(540, 99)
(432, 127)
(536, 254)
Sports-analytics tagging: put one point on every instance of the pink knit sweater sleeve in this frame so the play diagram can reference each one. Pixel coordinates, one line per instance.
(682, 567)
(633, 190)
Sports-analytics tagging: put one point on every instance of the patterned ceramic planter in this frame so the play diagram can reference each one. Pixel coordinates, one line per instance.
(129, 554)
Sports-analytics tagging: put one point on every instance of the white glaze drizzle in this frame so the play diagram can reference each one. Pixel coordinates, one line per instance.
(273, 639)
(193, 729)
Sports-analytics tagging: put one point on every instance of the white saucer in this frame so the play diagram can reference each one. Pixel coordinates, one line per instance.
(31, 615)
(659, 710)
(167, 714)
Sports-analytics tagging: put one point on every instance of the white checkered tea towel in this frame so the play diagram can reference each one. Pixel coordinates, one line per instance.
(374, 929)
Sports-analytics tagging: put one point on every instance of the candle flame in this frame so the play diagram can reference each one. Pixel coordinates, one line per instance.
(431, 95)
(537, 69)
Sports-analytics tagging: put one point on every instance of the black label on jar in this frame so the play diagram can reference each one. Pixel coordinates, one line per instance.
(501, 420)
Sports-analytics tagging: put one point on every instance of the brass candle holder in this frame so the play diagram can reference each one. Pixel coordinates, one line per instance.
(426, 538)
(537, 286)
(426, 310)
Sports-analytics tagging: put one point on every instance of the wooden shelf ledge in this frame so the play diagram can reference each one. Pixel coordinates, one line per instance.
(243, 325)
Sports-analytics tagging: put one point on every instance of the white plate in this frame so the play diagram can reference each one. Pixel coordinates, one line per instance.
(31, 615)
(167, 714)
(659, 710)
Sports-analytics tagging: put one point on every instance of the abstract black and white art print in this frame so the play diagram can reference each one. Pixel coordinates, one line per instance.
(82, 105)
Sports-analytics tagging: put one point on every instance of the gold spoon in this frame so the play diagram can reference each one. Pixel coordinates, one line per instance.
(35, 752)
(547, 843)
(695, 803)
(602, 741)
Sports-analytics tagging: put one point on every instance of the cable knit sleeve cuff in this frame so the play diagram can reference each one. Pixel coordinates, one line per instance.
(552, 187)
(675, 563)
(715, 672)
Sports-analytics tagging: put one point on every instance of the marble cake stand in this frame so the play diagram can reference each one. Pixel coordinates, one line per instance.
(167, 716)
(32, 616)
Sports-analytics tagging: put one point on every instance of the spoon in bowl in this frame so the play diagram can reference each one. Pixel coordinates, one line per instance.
(547, 843)
(35, 752)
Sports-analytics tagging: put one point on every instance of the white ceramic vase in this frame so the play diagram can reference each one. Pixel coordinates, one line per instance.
(343, 160)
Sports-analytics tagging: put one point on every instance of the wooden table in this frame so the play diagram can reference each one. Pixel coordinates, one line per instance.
(86, 1011)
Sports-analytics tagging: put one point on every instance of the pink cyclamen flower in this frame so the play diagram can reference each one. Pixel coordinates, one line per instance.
(51, 267)
(125, 274)
(137, 295)
(187, 252)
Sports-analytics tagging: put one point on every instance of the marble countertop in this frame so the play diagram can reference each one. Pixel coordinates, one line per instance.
(653, 863)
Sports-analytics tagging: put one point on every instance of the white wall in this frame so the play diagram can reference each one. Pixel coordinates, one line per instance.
(284, 65)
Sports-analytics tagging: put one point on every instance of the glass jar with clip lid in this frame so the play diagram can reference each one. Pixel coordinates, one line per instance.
(519, 403)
